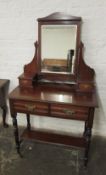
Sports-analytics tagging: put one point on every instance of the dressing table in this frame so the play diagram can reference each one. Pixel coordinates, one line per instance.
(56, 83)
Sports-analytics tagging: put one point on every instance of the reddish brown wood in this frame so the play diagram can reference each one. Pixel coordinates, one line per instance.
(50, 95)
(67, 96)
(60, 19)
(59, 16)
(44, 102)
(31, 69)
(85, 74)
(53, 138)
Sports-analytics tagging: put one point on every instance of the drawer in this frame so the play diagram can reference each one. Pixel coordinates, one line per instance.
(70, 112)
(31, 107)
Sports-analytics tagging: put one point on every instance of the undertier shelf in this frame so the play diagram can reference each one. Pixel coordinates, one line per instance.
(55, 138)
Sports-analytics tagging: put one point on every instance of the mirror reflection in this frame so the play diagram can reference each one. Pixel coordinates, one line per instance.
(58, 48)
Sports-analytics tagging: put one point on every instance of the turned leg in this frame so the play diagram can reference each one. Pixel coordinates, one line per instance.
(28, 121)
(4, 116)
(16, 134)
(85, 128)
(88, 140)
(88, 134)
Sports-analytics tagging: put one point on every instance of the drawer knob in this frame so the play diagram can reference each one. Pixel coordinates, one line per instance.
(69, 112)
(30, 107)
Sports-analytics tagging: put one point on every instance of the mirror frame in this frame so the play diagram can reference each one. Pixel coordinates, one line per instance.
(59, 19)
(57, 48)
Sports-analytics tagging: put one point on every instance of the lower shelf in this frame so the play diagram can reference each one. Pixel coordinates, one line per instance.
(53, 138)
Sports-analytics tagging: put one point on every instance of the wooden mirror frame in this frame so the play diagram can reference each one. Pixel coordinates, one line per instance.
(83, 78)
(59, 19)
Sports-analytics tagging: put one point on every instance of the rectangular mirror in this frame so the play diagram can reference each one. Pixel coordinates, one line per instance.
(58, 48)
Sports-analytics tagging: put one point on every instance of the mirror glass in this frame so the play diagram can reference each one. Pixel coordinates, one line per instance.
(58, 48)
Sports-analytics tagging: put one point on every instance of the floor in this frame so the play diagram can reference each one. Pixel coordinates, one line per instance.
(47, 159)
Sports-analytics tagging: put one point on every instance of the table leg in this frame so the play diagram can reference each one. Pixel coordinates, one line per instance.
(84, 134)
(16, 134)
(28, 121)
(88, 134)
(4, 116)
(88, 140)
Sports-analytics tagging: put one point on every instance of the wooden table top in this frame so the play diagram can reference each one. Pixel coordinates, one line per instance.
(55, 96)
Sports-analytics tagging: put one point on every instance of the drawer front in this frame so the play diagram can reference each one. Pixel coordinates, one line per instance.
(70, 112)
(31, 107)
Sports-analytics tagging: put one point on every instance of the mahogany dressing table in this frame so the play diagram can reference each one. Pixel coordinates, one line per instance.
(56, 83)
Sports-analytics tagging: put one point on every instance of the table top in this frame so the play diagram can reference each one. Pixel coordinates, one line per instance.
(55, 96)
(3, 82)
